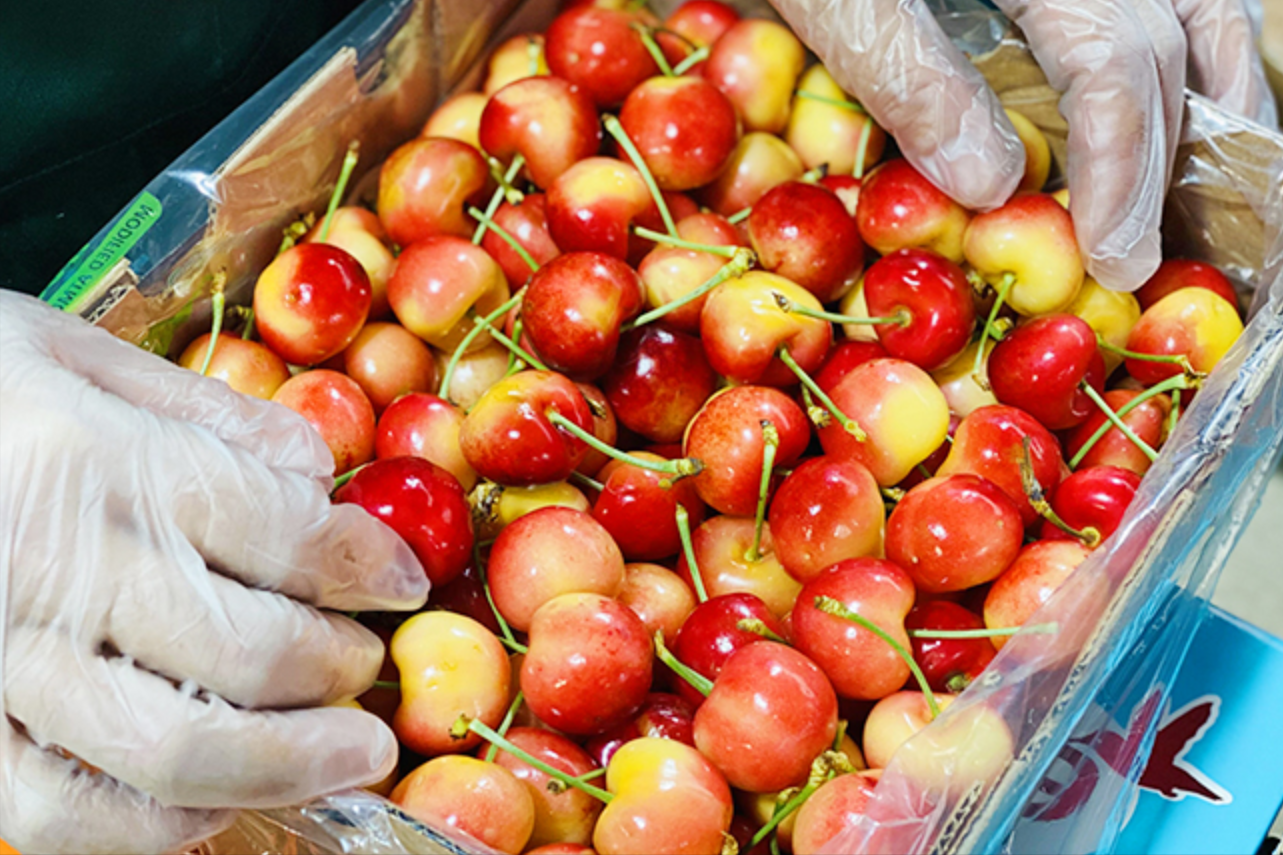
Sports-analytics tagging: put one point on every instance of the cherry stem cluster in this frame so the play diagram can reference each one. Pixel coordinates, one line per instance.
(770, 445)
(464, 724)
(697, 56)
(486, 221)
(688, 549)
(989, 332)
(1089, 536)
(1173, 384)
(616, 130)
(698, 681)
(742, 259)
(1117, 421)
(830, 606)
(468, 339)
(340, 187)
(848, 424)
(653, 48)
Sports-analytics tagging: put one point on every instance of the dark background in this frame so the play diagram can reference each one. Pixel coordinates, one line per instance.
(96, 99)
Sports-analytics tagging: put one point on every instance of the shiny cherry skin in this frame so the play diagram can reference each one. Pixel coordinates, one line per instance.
(638, 507)
(1097, 496)
(311, 302)
(599, 51)
(424, 504)
(934, 296)
(827, 510)
(711, 634)
(949, 664)
(803, 232)
(1041, 366)
(527, 223)
(1176, 273)
(843, 358)
(663, 716)
(684, 128)
(659, 381)
(561, 816)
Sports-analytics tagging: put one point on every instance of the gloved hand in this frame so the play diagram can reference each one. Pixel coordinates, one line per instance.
(1121, 65)
(167, 544)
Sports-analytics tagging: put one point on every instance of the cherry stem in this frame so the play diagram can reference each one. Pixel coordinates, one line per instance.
(247, 334)
(811, 176)
(817, 414)
(557, 787)
(696, 57)
(1118, 422)
(669, 240)
(739, 264)
(505, 724)
(348, 475)
(464, 724)
(501, 337)
(295, 230)
(841, 732)
(770, 444)
(504, 178)
(923, 471)
(830, 606)
(832, 102)
(740, 216)
(468, 339)
(505, 632)
(653, 48)
(1037, 628)
(688, 549)
(848, 424)
(679, 468)
(486, 221)
(345, 173)
(389, 685)
(862, 150)
(824, 768)
(892, 494)
(591, 483)
(977, 370)
(698, 681)
(515, 364)
(1170, 358)
(1089, 536)
(757, 626)
(616, 130)
(902, 317)
(1174, 383)
(1175, 411)
(219, 302)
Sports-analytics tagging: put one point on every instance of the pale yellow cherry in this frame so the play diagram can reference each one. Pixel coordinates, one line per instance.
(828, 133)
(854, 305)
(957, 381)
(516, 59)
(758, 162)
(1028, 250)
(1112, 314)
(1037, 152)
(458, 118)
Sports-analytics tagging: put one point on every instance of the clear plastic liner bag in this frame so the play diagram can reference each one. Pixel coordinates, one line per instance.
(1080, 706)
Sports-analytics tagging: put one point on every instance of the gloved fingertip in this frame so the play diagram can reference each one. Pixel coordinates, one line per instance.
(981, 166)
(1125, 272)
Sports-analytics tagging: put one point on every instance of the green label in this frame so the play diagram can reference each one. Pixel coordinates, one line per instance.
(92, 263)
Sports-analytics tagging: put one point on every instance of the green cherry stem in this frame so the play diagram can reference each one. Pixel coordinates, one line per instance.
(653, 48)
(464, 724)
(471, 337)
(669, 240)
(505, 725)
(1173, 358)
(247, 334)
(739, 264)
(501, 337)
(486, 221)
(848, 424)
(770, 444)
(1003, 631)
(616, 130)
(218, 300)
(903, 318)
(591, 483)
(688, 549)
(1171, 416)
(695, 58)
(496, 200)
(505, 632)
(818, 415)
(812, 176)
(862, 150)
(515, 364)
(739, 216)
(534, 50)
(1173, 384)
(682, 467)
(1118, 422)
(758, 627)
(698, 681)
(345, 174)
(348, 475)
(853, 106)
(830, 606)
(388, 685)
(977, 369)
(1089, 536)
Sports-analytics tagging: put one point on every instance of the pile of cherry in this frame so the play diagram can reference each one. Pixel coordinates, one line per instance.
(868, 434)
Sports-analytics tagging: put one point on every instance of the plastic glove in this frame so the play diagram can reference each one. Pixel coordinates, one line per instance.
(166, 544)
(1121, 65)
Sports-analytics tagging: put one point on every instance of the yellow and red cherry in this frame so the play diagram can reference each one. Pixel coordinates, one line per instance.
(702, 21)
(659, 381)
(827, 510)
(756, 63)
(424, 425)
(249, 367)
(519, 57)
(421, 502)
(638, 506)
(310, 302)
(600, 51)
(336, 407)
(527, 224)
(1042, 367)
(836, 807)
(439, 283)
(663, 716)
(588, 667)
(1031, 580)
(1176, 273)
(675, 273)
(574, 307)
(660, 597)
(1095, 497)
(1194, 323)
(1028, 251)
(900, 209)
(562, 814)
(508, 437)
(723, 548)
(550, 123)
(480, 799)
(932, 296)
(949, 664)
(547, 553)
(758, 162)
(843, 359)
(592, 204)
(861, 665)
(827, 129)
(388, 361)
(803, 232)
(425, 187)
(684, 128)
(715, 630)
(358, 232)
